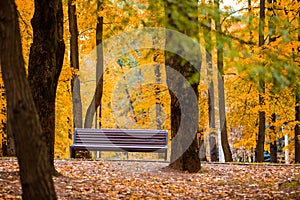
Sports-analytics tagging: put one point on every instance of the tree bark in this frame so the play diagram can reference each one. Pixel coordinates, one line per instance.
(74, 59)
(259, 150)
(211, 95)
(273, 144)
(159, 122)
(45, 64)
(96, 101)
(189, 160)
(99, 67)
(157, 72)
(250, 20)
(271, 31)
(31, 150)
(221, 92)
(10, 146)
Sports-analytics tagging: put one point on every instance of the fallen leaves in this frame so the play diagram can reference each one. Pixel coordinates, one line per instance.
(154, 180)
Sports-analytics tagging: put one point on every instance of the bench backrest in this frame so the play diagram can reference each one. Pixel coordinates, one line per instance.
(121, 137)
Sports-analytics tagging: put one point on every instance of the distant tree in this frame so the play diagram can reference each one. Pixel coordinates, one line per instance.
(95, 105)
(99, 65)
(259, 150)
(157, 73)
(207, 33)
(30, 142)
(74, 59)
(221, 92)
(271, 32)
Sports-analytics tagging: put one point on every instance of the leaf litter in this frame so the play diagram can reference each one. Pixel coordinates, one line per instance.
(83, 179)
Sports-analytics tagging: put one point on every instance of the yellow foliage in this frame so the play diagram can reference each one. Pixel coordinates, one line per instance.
(3, 119)
(137, 76)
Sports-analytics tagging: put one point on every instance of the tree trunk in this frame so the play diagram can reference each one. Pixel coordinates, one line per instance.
(96, 101)
(99, 67)
(10, 146)
(45, 64)
(259, 150)
(273, 144)
(157, 72)
(159, 122)
(211, 95)
(221, 92)
(31, 150)
(74, 59)
(189, 160)
(271, 30)
(94, 105)
(213, 147)
(250, 20)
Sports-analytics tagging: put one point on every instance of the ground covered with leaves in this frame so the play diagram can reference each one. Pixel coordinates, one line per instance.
(154, 180)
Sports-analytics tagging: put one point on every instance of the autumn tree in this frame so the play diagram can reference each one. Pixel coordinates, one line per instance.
(31, 149)
(271, 35)
(182, 17)
(259, 150)
(99, 64)
(221, 92)
(95, 105)
(207, 33)
(45, 64)
(74, 60)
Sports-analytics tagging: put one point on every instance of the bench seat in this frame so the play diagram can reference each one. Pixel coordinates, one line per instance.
(121, 140)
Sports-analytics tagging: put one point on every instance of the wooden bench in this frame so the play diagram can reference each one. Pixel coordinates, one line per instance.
(121, 140)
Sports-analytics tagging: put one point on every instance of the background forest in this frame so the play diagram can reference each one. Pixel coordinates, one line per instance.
(259, 69)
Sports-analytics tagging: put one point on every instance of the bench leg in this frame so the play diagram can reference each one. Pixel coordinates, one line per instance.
(72, 152)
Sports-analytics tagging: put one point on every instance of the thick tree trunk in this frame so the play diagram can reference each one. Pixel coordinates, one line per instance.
(74, 59)
(189, 160)
(45, 64)
(10, 146)
(30, 142)
(259, 150)
(221, 92)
